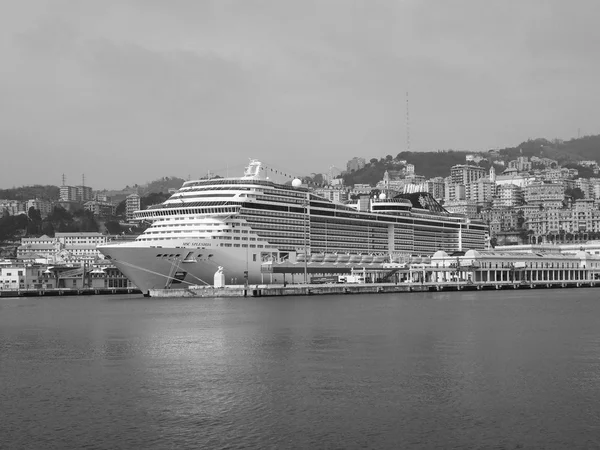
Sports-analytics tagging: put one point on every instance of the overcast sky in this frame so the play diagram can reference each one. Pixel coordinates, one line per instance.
(129, 91)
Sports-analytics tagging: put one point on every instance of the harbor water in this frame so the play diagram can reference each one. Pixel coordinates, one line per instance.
(497, 369)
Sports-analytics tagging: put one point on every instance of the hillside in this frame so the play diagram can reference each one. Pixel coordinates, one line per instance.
(161, 185)
(585, 148)
(428, 164)
(23, 193)
(438, 164)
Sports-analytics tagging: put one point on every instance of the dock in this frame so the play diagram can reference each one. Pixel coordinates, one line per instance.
(368, 288)
(6, 293)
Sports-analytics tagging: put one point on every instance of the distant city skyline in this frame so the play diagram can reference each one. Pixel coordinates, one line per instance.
(127, 92)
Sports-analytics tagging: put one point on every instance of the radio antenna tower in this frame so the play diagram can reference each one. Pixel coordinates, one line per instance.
(407, 125)
(83, 179)
(64, 180)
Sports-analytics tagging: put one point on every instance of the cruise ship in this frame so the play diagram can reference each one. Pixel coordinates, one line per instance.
(267, 216)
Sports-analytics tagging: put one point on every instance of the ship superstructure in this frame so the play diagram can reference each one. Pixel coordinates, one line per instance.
(261, 217)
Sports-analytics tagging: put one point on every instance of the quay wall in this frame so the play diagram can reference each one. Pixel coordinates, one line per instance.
(66, 291)
(345, 289)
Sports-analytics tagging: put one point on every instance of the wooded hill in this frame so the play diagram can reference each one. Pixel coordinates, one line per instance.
(25, 193)
(438, 164)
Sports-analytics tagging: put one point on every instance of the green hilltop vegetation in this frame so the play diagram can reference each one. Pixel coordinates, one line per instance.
(25, 193)
(428, 164)
(13, 228)
(438, 164)
(161, 185)
(565, 152)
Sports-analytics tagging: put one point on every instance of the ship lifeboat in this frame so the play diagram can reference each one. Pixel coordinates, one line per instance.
(366, 259)
(342, 259)
(301, 257)
(330, 257)
(355, 259)
(378, 259)
(317, 257)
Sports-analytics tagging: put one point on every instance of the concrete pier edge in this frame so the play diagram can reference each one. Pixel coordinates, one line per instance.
(344, 289)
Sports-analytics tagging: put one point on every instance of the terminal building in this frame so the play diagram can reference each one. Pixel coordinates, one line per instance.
(492, 266)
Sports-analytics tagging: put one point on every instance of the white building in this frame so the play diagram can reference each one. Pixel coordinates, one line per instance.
(20, 276)
(64, 247)
(132, 204)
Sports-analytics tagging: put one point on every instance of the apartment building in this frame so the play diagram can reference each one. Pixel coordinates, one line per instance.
(436, 187)
(99, 208)
(584, 217)
(466, 173)
(75, 193)
(502, 219)
(333, 194)
(132, 204)
(466, 208)
(541, 192)
(480, 191)
(508, 196)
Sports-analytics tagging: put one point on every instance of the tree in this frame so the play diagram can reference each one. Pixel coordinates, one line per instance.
(12, 227)
(153, 199)
(576, 193)
(34, 226)
(120, 208)
(583, 171)
(86, 222)
(62, 220)
(113, 227)
(524, 236)
(48, 228)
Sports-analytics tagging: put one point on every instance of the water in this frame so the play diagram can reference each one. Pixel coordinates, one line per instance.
(503, 369)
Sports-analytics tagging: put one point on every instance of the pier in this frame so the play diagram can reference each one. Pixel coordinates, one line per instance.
(5, 293)
(270, 290)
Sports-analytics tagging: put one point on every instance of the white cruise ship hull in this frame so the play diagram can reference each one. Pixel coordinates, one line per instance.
(148, 271)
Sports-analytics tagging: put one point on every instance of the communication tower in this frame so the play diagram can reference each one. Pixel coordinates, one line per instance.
(407, 125)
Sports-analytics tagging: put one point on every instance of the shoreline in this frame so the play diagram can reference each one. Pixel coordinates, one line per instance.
(12, 293)
(370, 288)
